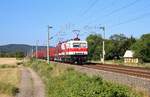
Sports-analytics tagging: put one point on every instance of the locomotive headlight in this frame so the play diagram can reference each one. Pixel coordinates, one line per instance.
(83, 45)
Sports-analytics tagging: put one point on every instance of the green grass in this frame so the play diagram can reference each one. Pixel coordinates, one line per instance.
(145, 65)
(9, 81)
(62, 82)
(7, 88)
(7, 66)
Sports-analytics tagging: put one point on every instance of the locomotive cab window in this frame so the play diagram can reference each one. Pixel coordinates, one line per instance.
(76, 45)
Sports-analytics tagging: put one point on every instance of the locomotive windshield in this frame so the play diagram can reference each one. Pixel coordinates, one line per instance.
(76, 45)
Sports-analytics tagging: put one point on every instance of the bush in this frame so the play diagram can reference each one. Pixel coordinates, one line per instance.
(7, 66)
(69, 83)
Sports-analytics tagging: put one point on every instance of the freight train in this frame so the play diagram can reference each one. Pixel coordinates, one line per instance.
(70, 51)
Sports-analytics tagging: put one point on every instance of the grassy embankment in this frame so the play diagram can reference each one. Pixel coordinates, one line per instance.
(66, 82)
(120, 62)
(9, 78)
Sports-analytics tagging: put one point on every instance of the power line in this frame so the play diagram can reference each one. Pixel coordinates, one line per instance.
(133, 12)
(131, 20)
(103, 8)
(82, 13)
(123, 7)
(90, 7)
(119, 9)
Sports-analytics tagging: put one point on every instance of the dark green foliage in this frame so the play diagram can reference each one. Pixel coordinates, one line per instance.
(7, 66)
(94, 46)
(19, 54)
(115, 47)
(16, 54)
(142, 48)
(70, 83)
(19, 63)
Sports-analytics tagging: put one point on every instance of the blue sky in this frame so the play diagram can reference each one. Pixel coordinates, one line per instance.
(25, 21)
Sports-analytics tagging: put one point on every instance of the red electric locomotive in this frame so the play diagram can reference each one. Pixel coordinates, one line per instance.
(70, 51)
(73, 51)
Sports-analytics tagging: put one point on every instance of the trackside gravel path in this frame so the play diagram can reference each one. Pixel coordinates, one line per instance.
(25, 89)
(31, 84)
(38, 86)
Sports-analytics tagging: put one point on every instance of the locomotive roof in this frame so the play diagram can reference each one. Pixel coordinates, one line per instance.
(75, 39)
(71, 41)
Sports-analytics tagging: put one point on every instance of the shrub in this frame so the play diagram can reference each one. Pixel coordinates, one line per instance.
(7, 66)
(70, 83)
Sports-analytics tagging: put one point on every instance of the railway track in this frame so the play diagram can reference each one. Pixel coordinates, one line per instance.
(133, 71)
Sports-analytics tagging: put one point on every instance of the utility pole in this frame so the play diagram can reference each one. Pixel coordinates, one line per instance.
(37, 49)
(103, 59)
(48, 41)
(32, 52)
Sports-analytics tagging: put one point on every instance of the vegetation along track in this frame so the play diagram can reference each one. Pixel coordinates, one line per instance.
(134, 71)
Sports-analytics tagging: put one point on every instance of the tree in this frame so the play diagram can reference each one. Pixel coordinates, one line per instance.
(142, 48)
(19, 54)
(117, 45)
(109, 49)
(94, 46)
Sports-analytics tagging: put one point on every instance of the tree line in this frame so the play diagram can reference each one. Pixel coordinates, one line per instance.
(17, 54)
(116, 46)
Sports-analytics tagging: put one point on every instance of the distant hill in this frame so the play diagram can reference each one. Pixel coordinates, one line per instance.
(13, 48)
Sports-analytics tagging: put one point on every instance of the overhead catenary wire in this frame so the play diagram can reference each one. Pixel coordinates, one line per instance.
(85, 11)
(131, 20)
(122, 8)
(90, 7)
(102, 8)
(132, 13)
(112, 12)
(118, 10)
